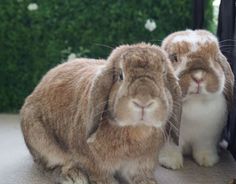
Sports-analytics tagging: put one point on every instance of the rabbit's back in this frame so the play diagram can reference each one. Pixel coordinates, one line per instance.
(60, 97)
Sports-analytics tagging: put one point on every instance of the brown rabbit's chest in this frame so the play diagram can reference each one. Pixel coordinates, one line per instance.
(115, 144)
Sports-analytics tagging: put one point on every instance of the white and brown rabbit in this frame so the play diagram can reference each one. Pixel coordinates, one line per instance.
(207, 84)
(96, 118)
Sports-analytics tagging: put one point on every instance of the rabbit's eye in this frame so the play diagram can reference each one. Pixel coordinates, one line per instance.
(120, 75)
(173, 58)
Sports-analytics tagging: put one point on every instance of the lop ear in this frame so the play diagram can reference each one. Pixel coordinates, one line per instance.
(98, 96)
(229, 80)
(173, 124)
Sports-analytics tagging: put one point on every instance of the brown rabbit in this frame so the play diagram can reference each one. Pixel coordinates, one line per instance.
(207, 83)
(96, 118)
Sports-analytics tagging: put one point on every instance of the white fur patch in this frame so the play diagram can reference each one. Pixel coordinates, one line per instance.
(170, 156)
(201, 109)
(100, 70)
(206, 157)
(202, 122)
(198, 75)
(92, 138)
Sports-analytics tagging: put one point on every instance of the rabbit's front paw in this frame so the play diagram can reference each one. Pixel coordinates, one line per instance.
(74, 176)
(171, 157)
(206, 158)
(104, 182)
(148, 181)
(109, 180)
(144, 181)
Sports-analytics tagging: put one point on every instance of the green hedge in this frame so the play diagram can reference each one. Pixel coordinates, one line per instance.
(32, 42)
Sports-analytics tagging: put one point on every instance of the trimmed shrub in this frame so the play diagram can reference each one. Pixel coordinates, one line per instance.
(36, 36)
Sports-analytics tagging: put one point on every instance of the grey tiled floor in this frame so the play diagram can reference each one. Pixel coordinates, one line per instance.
(17, 167)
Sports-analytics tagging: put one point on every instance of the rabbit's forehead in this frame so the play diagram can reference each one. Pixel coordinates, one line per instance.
(146, 59)
(193, 41)
(194, 37)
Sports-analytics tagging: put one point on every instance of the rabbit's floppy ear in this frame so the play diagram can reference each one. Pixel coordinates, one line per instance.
(229, 80)
(173, 124)
(98, 98)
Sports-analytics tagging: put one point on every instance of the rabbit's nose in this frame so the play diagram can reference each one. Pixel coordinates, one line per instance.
(198, 76)
(142, 104)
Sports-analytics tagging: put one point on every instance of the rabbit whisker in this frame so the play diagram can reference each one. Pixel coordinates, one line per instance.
(227, 45)
(163, 131)
(227, 40)
(103, 45)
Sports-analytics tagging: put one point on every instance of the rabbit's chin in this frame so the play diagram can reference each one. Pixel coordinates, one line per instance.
(154, 124)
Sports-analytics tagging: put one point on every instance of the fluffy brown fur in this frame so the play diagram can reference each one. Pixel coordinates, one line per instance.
(96, 118)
